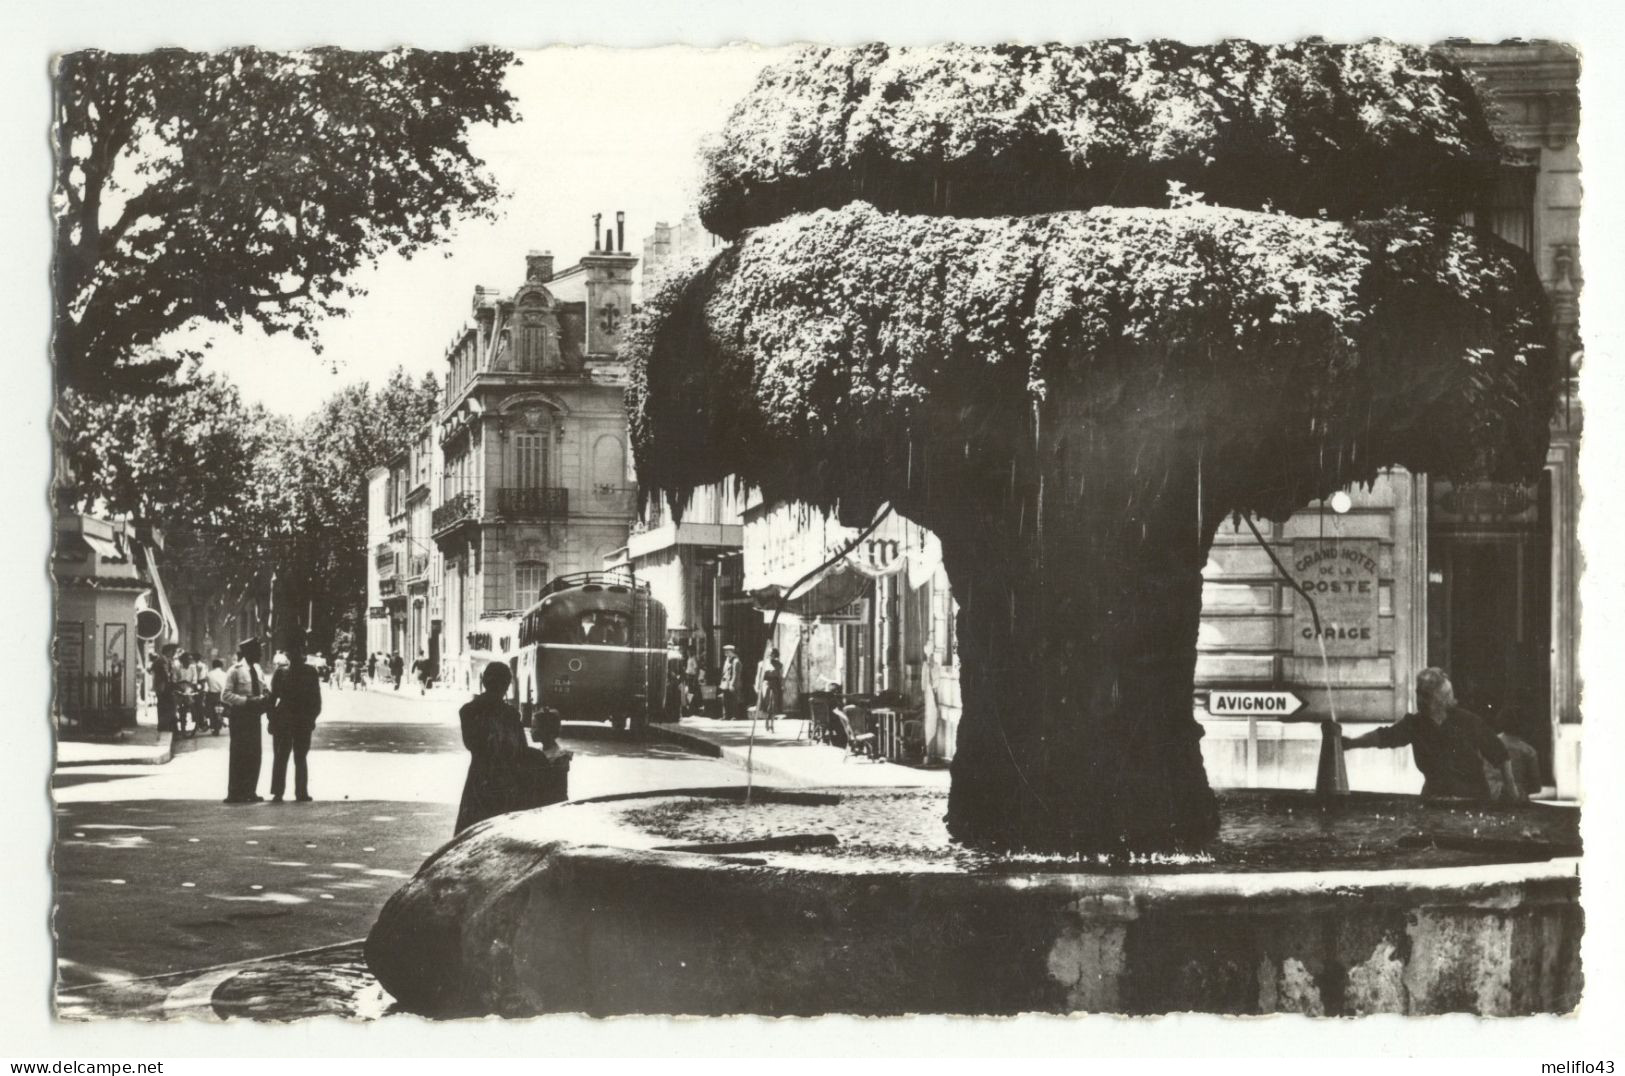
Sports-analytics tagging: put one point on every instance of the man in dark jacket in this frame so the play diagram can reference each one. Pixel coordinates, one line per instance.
(165, 675)
(1450, 745)
(296, 700)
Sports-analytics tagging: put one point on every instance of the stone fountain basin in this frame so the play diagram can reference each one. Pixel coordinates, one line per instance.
(855, 901)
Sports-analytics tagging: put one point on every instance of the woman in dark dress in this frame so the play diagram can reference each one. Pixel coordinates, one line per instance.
(505, 774)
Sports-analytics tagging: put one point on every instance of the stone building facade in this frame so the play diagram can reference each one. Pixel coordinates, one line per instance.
(521, 476)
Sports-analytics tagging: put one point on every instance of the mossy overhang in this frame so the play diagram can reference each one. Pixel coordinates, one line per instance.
(1307, 127)
(848, 357)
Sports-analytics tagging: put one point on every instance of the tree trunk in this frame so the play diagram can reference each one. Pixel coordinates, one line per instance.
(1077, 632)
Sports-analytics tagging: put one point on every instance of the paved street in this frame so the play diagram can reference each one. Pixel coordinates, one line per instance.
(156, 876)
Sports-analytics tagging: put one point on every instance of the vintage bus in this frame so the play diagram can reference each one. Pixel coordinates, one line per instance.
(592, 648)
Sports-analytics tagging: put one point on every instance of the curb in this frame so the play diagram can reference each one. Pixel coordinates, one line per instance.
(165, 752)
(733, 755)
(246, 962)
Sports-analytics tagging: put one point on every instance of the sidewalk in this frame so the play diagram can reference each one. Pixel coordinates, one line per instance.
(782, 757)
(141, 745)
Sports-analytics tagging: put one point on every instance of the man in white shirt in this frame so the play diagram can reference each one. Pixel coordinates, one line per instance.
(246, 695)
(729, 685)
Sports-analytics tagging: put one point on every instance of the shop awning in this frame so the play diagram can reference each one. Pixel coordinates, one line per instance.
(101, 546)
(826, 594)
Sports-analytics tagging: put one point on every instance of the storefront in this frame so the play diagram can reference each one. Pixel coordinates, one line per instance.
(106, 575)
(868, 614)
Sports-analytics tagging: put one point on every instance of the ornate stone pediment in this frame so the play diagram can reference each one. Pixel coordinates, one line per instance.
(527, 401)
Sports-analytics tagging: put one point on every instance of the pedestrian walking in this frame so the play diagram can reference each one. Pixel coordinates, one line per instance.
(397, 665)
(770, 688)
(296, 701)
(372, 666)
(504, 772)
(246, 696)
(673, 703)
(729, 685)
(691, 677)
(165, 676)
(422, 672)
(214, 686)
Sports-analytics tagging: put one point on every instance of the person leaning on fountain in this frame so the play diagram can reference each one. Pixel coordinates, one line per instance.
(505, 773)
(1450, 745)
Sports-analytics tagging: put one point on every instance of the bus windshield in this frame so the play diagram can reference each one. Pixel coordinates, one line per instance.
(597, 627)
(606, 628)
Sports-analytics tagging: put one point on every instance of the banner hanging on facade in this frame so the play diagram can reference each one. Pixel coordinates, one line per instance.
(1342, 578)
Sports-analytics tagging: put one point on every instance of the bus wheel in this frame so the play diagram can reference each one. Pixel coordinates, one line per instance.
(619, 723)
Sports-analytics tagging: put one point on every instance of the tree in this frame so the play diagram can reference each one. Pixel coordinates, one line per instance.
(245, 186)
(321, 513)
(1074, 398)
(244, 496)
(194, 463)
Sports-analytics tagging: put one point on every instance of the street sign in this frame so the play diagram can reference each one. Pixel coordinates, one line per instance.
(1253, 703)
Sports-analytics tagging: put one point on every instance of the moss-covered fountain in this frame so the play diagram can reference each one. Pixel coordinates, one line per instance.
(1069, 308)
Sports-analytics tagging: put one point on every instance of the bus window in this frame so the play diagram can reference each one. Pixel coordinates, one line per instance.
(606, 627)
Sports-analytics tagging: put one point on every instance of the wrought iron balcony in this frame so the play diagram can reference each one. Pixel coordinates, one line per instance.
(389, 588)
(458, 507)
(517, 502)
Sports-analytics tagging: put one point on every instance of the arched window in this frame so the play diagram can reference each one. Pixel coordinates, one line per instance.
(537, 339)
(529, 576)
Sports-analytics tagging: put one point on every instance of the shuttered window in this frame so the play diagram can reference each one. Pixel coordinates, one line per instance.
(530, 462)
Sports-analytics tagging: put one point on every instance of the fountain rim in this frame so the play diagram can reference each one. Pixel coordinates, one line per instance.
(1150, 883)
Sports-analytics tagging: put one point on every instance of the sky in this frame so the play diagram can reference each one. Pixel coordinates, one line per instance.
(600, 130)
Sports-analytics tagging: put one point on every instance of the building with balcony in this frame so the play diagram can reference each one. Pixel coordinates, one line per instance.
(381, 563)
(529, 463)
(419, 557)
(390, 555)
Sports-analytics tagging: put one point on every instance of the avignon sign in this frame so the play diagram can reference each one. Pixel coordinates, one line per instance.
(1253, 703)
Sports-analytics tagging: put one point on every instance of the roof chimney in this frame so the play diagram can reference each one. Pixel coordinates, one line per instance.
(620, 231)
(597, 232)
(539, 266)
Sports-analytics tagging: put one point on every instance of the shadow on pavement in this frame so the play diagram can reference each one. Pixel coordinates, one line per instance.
(146, 887)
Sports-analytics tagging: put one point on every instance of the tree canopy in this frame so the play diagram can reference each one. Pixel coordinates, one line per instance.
(238, 490)
(978, 131)
(246, 186)
(322, 561)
